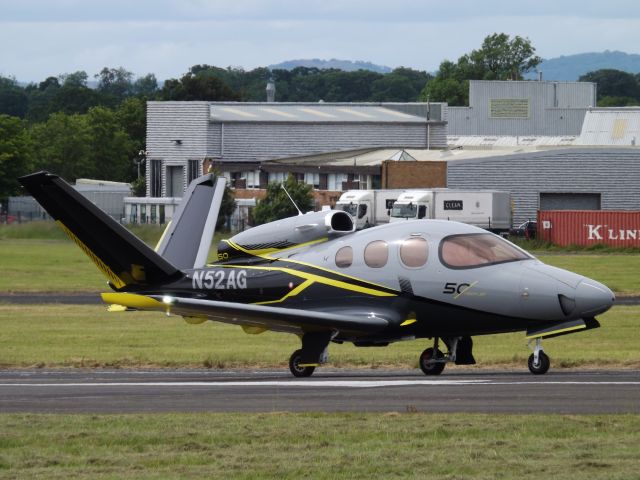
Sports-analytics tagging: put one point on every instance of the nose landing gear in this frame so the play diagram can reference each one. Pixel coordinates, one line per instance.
(539, 361)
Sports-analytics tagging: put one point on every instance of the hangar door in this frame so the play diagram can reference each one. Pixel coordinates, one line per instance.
(570, 201)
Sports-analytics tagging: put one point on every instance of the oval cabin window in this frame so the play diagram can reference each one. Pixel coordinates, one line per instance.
(414, 252)
(376, 254)
(344, 257)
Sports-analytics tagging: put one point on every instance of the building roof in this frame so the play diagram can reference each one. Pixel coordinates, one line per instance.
(509, 141)
(310, 113)
(375, 157)
(611, 126)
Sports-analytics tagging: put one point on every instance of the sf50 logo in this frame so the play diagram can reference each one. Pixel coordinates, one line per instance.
(452, 288)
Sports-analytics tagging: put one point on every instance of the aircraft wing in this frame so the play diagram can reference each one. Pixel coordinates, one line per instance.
(259, 316)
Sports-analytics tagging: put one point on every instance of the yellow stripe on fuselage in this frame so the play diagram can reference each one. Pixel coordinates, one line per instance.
(299, 262)
(313, 278)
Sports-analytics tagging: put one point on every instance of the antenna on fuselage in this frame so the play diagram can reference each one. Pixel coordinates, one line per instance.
(294, 203)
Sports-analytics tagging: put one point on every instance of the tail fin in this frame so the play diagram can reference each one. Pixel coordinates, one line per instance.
(121, 256)
(187, 239)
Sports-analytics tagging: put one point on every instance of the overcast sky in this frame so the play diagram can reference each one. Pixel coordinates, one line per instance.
(40, 38)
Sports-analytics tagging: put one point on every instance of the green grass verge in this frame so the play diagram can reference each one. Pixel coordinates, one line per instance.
(41, 265)
(88, 336)
(322, 446)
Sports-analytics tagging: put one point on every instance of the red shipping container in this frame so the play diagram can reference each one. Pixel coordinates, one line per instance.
(615, 228)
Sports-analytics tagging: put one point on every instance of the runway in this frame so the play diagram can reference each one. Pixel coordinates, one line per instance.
(132, 391)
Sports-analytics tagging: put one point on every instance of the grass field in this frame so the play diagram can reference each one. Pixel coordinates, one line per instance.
(88, 336)
(46, 265)
(323, 446)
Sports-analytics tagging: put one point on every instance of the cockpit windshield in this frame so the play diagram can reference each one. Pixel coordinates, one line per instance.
(405, 210)
(478, 250)
(351, 209)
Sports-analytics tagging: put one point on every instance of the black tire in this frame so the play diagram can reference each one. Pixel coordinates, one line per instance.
(431, 368)
(543, 364)
(297, 370)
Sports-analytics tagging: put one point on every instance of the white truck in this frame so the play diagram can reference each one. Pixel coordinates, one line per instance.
(488, 209)
(368, 207)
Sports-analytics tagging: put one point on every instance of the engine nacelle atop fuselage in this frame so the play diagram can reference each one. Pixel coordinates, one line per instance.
(286, 233)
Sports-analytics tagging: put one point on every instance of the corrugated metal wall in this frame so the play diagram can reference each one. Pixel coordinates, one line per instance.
(554, 108)
(263, 141)
(614, 228)
(170, 121)
(615, 173)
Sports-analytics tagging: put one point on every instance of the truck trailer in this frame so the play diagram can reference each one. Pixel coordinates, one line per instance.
(488, 209)
(368, 207)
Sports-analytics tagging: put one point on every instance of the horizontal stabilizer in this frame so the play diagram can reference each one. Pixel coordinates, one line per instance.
(121, 256)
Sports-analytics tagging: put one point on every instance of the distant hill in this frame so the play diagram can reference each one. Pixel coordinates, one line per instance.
(346, 65)
(570, 67)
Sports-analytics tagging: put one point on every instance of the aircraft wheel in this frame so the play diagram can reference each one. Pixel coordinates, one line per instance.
(431, 368)
(296, 369)
(543, 364)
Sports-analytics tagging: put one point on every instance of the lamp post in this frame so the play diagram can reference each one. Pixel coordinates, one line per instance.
(140, 159)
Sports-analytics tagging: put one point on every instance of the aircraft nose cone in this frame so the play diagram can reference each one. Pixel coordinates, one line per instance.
(593, 298)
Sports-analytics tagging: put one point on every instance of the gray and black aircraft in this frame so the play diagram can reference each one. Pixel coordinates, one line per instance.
(313, 275)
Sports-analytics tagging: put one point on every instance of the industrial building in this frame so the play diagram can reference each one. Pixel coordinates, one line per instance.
(522, 108)
(591, 178)
(535, 139)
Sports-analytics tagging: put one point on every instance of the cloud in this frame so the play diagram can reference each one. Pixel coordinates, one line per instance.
(42, 38)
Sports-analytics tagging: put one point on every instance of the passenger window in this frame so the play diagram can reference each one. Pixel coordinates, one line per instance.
(477, 250)
(414, 252)
(344, 257)
(376, 254)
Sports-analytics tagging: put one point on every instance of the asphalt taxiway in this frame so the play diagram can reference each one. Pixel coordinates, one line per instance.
(129, 391)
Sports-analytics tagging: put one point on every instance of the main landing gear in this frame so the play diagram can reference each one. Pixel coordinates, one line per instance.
(314, 352)
(539, 361)
(432, 360)
(296, 368)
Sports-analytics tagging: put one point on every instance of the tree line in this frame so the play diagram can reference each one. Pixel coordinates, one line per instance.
(65, 125)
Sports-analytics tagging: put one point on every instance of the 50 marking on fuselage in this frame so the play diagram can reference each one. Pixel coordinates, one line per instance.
(230, 279)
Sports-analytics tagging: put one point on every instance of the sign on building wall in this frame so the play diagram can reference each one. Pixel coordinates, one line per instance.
(509, 108)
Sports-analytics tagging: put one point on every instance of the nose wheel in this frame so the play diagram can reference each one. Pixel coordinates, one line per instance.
(539, 361)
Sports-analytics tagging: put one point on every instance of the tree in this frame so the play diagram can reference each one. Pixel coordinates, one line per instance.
(111, 150)
(499, 58)
(61, 145)
(146, 86)
(614, 83)
(276, 204)
(132, 116)
(115, 82)
(13, 99)
(201, 86)
(15, 154)
(227, 207)
(75, 79)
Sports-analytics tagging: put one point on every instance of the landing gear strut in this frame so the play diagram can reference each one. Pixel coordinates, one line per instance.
(539, 361)
(433, 361)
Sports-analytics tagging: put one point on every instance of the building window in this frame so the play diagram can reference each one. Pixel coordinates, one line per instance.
(143, 213)
(344, 257)
(161, 208)
(193, 170)
(134, 213)
(376, 254)
(253, 179)
(278, 177)
(312, 179)
(153, 213)
(155, 178)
